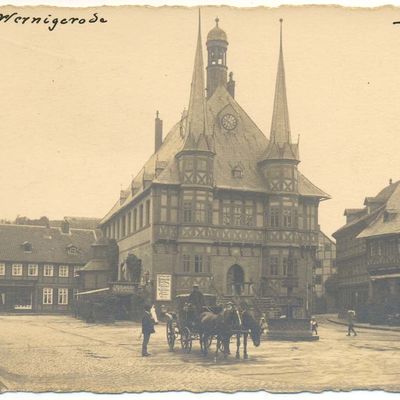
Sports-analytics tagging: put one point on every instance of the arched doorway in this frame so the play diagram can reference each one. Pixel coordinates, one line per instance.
(235, 280)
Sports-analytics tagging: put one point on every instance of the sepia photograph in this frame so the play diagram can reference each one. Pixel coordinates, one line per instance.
(199, 199)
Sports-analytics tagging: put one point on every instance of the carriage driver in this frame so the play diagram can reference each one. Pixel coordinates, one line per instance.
(197, 298)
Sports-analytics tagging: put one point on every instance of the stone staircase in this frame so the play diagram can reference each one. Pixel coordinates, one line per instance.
(267, 306)
(260, 305)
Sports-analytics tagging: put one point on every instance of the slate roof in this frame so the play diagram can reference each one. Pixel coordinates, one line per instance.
(388, 200)
(244, 145)
(48, 244)
(380, 227)
(217, 33)
(387, 220)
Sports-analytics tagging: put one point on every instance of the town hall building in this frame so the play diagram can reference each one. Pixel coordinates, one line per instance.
(219, 204)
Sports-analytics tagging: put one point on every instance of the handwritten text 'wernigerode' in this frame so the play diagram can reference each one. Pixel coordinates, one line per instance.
(50, 21)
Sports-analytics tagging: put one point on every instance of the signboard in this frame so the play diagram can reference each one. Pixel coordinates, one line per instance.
(123, 288)
(164, 284)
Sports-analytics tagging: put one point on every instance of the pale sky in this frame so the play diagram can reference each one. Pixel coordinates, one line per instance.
(77, 104)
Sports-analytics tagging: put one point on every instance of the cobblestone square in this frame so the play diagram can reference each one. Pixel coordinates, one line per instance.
(60, 353)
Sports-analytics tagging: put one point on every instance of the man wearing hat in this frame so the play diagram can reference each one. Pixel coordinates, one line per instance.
(147, 329)
(197, 298)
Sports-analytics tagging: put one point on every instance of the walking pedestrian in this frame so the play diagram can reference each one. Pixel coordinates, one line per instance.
(147, 329)
(351, 314)
(314, 326)
(263, 324)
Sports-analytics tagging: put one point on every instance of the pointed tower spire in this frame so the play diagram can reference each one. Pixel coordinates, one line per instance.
(280, 128)
(280, 146)
(196, 124)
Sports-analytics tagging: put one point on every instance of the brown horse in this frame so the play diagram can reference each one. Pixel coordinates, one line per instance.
(218, 325)
(248, 326)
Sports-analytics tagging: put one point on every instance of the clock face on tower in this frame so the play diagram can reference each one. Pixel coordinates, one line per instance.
(229, 122)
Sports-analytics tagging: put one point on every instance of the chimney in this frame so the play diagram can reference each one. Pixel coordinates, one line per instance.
(65, 226)
(157, 133)
(390, 181)
(230, 86)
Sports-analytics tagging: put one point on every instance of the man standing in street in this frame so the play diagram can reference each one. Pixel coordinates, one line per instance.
(314, 326)
(147, 329)
(350, 317)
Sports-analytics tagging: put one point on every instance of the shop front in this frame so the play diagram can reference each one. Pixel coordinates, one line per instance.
(17, 297)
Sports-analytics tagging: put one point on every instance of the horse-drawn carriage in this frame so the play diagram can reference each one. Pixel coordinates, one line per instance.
(188, 324)
(183, 324)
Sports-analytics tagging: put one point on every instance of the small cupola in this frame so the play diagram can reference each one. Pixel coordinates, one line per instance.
(217, 45)
(217, 33)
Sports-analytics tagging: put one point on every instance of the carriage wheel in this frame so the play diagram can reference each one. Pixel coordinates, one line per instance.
(170, 336)
(186, 340)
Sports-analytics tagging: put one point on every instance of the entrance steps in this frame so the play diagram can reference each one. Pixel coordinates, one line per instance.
(260, 305)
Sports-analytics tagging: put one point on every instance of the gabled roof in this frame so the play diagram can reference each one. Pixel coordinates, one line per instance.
(387, 200)
(380, 227)
(387, 220)
(200, 129)
(48, 244)
(245, 144)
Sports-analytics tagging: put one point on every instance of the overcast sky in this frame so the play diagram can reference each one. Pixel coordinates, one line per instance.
(77, 104)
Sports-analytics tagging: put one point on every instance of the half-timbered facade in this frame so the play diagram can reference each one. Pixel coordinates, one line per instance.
(368, 256)
(218, 204)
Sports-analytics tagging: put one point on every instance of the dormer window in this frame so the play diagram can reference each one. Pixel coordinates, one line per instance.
(237, 169)
(27, 247)
(237, 173)
(72, 250)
